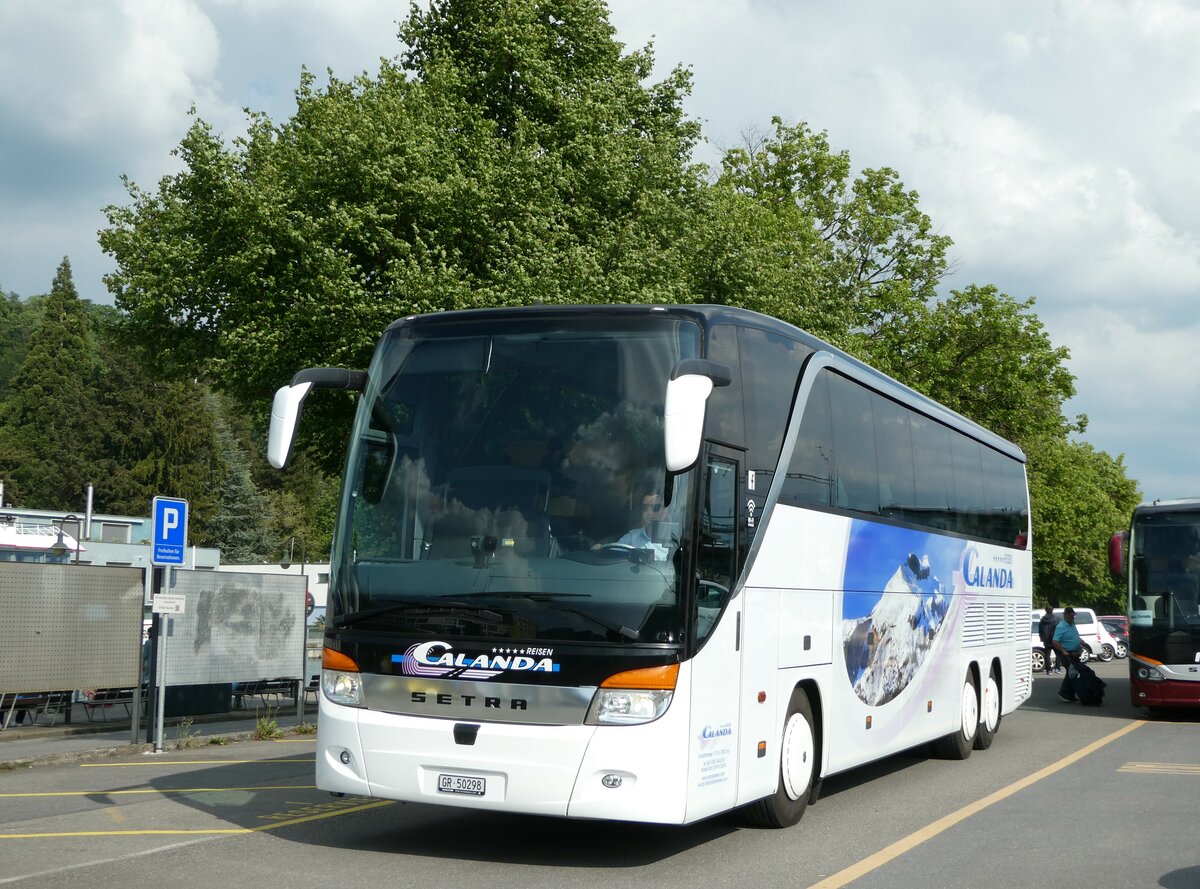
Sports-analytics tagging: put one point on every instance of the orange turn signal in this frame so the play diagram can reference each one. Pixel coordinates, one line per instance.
(335, 660)
(646, 677)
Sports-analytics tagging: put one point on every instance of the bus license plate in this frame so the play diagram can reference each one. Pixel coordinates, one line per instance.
(462, 784)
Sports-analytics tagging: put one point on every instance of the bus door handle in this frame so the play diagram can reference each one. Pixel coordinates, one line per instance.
(737, 635)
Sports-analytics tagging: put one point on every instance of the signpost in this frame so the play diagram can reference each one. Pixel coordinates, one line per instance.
(170, 531)
(168, 547)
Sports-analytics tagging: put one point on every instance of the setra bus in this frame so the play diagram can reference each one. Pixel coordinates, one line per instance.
(1163, 586)
(655, 563)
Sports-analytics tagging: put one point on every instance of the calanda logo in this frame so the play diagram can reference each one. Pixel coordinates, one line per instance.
(711, 734)
(998, 575)
(438, 659)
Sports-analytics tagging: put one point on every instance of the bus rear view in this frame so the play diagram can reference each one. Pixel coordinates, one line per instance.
(1163, 545)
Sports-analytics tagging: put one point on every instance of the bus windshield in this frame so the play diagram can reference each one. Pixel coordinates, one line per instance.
(505, 480)
(1166, 571)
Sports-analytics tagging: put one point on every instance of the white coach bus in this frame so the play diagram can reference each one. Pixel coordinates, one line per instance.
(653, 564)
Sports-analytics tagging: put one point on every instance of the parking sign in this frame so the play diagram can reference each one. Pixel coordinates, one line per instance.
(170, 531)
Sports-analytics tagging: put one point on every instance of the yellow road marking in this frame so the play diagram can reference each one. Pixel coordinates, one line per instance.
(186, 762)
(1159, 768)
(295, 740)
(898, 848)
(200, 832)
(154, 790)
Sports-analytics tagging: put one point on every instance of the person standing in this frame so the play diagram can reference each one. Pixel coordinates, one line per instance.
(1068, 645)
(1046, 634)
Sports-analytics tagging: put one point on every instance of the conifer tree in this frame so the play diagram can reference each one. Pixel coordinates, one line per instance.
(46, 423)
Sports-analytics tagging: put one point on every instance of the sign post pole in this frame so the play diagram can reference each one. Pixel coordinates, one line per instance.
(167, 548)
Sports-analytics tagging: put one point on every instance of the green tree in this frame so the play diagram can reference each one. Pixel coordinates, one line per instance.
(1080, 496)
(512, 154)
(46, 427)
(854, 257)
(17, 320)
(242, 520)
(984, 354)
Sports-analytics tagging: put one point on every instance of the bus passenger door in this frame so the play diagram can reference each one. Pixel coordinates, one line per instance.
(715, 670)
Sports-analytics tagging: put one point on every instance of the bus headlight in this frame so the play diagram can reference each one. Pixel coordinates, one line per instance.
(612, 706)
(633, 697)
(1149, 674)
(341, 680)
(342, 688)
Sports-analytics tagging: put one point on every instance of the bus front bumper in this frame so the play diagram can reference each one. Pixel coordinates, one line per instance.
(578, 771)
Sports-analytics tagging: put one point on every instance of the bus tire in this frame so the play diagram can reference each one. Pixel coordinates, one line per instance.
(958, 744)
(989, 712)
(797, 766)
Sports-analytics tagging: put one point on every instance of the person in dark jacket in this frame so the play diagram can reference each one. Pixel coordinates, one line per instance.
(1046, 634)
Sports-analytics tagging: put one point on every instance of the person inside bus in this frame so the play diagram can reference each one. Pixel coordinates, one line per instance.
(1068, 645)
(642, 536)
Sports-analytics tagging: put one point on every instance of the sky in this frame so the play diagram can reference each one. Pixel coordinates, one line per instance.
(1054, 141)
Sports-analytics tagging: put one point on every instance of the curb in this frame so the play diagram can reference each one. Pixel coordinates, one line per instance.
(190, 743)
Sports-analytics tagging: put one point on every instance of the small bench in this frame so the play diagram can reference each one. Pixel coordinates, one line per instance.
(104, 699)
(48, 704)
(264, 689)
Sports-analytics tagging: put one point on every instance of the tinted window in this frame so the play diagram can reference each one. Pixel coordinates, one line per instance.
(724, 419)
(967, 503)
(810, 474)
(857, 484)
(1004, 492)
(893, 447)
(770, 365)
(934, 475)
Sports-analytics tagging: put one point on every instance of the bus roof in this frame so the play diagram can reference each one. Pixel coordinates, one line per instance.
(1183, 504)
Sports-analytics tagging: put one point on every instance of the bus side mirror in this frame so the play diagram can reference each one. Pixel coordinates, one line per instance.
(1116, 553)
(692, 380)
(285, 416)
(683, 420)
(285, 409)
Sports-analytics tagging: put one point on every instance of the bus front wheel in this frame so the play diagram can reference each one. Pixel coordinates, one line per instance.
(958, 744)
(797, 766)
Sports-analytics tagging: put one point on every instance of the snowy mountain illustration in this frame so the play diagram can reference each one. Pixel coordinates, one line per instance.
(885, 648)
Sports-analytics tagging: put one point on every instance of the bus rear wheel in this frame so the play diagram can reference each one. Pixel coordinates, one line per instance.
(797, 766)
(989, 712)
(958, 744)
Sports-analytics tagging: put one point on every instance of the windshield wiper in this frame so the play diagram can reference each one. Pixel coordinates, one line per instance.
(619, 632)
(355, 617)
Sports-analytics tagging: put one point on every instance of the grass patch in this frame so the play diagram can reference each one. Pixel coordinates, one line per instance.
(266, 726)
(185, 737)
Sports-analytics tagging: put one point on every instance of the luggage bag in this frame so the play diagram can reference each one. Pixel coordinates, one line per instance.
(1088, 687)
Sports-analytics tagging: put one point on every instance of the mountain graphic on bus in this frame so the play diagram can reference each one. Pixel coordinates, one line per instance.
(886, 646)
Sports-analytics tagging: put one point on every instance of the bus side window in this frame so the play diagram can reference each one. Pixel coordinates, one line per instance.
(810, 473)
(857, 485)
(718, 542)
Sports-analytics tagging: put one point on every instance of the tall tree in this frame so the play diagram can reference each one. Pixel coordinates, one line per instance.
(46, 427)
(1080, 496)
(242, 519)
(512, 154)
(984, 354)
(866, 252)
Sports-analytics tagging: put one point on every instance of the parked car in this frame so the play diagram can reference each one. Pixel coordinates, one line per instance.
(1097, 641)
(1119, 628)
